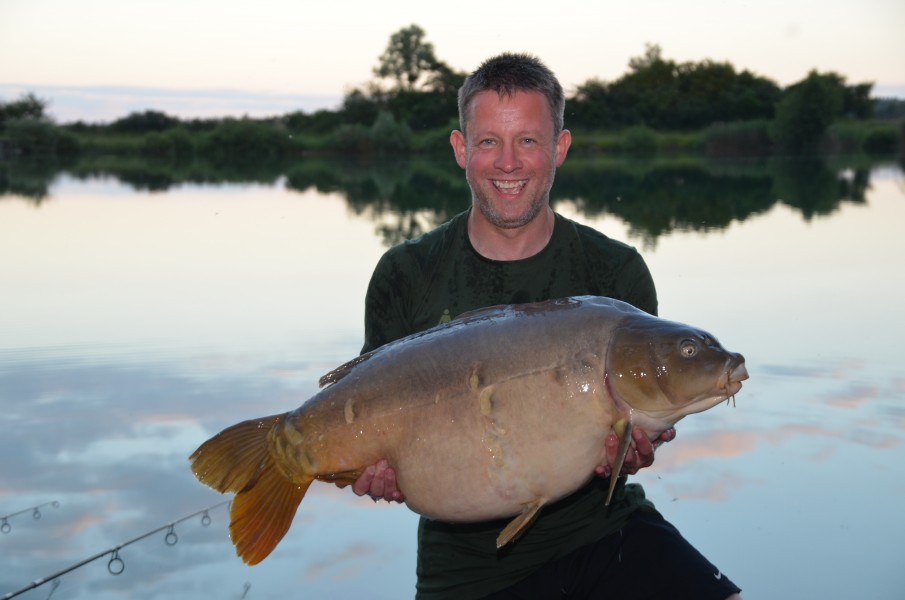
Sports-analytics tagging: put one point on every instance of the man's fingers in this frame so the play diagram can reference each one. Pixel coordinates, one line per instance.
(378, 483)
(667, 436)
(391, 492)
(645, 450)
(362, 485)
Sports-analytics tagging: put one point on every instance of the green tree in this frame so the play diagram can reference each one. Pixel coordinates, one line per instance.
(360, 108)
(145, 122)
(663, 94)
(28, 106)
(806, 110)
(408, 57)
(389, 136)
(445, 80)
(856, 101)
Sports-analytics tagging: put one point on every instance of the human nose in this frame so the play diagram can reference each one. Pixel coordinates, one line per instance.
(508, 158)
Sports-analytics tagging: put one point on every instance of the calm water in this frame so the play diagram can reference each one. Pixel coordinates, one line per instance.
(140, 314)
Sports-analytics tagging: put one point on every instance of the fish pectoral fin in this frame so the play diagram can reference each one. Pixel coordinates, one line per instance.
(342, 477)
(625, 441)
(261, 515)
(520, 524)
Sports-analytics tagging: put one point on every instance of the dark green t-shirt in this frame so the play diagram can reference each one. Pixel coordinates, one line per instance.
(421, 283)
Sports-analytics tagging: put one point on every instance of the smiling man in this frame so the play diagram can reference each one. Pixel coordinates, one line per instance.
(511, 247)
(510, 148)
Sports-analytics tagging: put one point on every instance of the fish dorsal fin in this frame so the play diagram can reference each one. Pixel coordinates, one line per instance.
(343, 370)
(480, 312)
(518, 525)
(625, 441)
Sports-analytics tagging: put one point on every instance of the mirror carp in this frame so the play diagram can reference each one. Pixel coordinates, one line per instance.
(494, 414)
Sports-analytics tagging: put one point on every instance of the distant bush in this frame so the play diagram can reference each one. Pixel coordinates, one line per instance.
(881, 141)
(844, 137)
(854, 137)
(144, 122)
(175, 144)
(435, 140)
(422, 111)
(39, 138)
(390, 136)
(745, 138)
(322, 121)
(351, 137)
(245, 140)
(639, 140)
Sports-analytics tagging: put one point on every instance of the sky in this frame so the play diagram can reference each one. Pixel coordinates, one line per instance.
(97, 60)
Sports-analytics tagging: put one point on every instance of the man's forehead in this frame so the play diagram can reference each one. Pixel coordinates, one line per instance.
(508, 97)
(529, 108)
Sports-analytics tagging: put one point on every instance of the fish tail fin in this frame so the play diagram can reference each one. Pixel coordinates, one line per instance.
(232, 460)
(261, 515)
(238, 459)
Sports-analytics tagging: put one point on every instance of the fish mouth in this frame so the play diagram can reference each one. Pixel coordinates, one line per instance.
(735, 375)
(726, 388)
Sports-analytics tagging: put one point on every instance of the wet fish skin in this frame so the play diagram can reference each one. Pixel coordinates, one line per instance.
(492, 415)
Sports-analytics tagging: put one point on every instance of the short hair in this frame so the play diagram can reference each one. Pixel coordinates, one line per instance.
(509, 73)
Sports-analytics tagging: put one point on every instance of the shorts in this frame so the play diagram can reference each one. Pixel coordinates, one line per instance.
(648, 559)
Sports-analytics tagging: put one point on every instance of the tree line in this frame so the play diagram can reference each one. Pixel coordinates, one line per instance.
(410, 105)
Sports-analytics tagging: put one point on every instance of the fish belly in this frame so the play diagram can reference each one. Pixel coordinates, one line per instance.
(476, 451)
(478, 427)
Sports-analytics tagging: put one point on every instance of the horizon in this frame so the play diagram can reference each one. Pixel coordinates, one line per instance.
(199, 58)
(104, 104)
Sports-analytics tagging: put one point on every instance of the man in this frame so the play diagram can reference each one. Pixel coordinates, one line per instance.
(510, 247)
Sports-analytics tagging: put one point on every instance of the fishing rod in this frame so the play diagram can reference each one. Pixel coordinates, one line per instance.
(5, 527)
(116, 565)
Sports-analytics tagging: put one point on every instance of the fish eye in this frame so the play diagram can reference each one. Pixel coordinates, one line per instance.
(688, 348)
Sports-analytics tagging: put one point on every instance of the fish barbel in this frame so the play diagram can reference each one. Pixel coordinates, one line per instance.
(495, 414)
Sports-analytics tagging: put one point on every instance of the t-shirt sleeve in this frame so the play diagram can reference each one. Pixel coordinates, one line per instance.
(637, 284)
(386, 302)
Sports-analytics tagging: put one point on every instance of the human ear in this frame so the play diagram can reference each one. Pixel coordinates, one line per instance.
(562, 145)
(457, 141)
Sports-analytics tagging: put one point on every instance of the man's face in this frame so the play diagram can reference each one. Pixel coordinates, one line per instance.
(510, 155)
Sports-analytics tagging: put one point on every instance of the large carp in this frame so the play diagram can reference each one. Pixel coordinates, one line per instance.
(494, 414)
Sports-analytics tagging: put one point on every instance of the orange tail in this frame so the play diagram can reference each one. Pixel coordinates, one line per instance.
(238, 460)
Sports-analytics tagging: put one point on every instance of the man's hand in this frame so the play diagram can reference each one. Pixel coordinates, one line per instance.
(640, 454)
(378, 481)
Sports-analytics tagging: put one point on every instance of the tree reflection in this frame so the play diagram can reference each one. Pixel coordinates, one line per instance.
(407, 196)
(808, 185)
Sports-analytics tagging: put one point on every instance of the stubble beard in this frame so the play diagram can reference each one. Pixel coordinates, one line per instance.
(534, 208)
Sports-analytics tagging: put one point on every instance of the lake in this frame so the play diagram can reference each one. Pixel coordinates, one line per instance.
(143, 309)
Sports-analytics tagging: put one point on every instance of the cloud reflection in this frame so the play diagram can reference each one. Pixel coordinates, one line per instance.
(345, 564)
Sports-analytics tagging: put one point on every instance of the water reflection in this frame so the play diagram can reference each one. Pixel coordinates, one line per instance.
(135, 324)
(655, 197)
